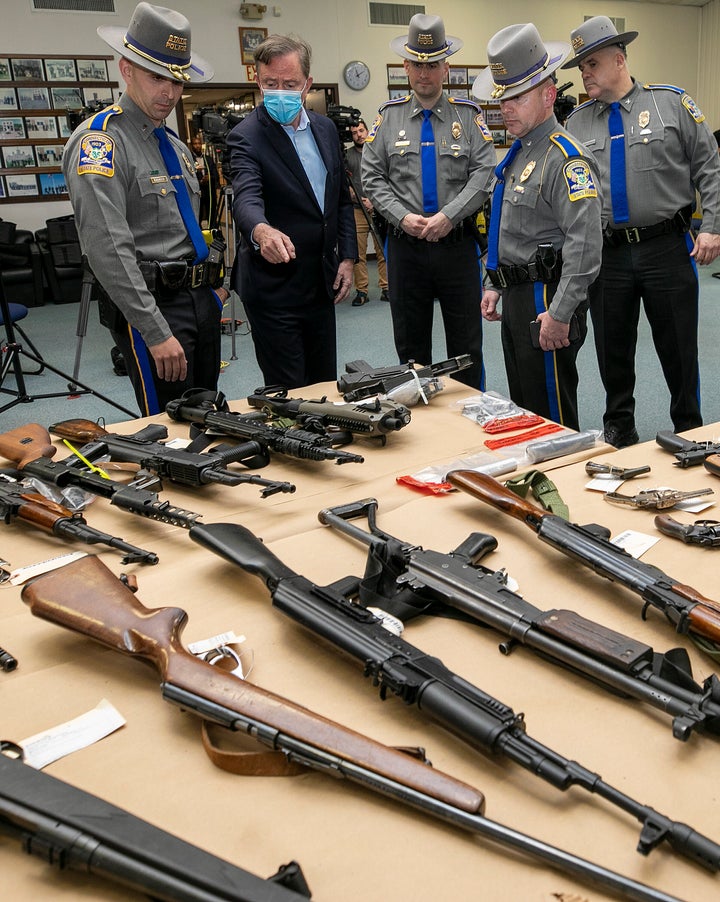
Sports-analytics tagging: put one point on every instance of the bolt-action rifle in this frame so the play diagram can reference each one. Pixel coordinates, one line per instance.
(370, 418)
(407, 580)
(687, 453)
(398, 667)
(179, 465)
(417, 382)
(210, 411)
(687, 610)
(78, 831)
(86, 597)
(16, 503)
(29, 448)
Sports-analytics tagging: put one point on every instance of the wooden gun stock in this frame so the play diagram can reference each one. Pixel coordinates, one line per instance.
(712, 464)
(26, 443)
(87, 598)
(81, 431)
(41, 512)
(493, 492)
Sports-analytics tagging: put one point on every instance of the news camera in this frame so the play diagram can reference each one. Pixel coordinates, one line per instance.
(564, 103)
(344, 118)
(75, 117)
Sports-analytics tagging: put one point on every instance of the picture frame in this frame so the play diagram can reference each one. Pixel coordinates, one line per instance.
(2, 188)
(64, 130)
(101, 94)
(66, 98)
(49, 154)
(27, 69)
(12, 128)
(5, 71)
(396, 74)
(8, 99)
(21, 185)
(52, 184)
(34, 98)
(394, 93)
(461, 93)
(493, 117)
(250, 38)
(18, 156)
(91, 70)
(60, 70)
(41, 127)
(458, 75)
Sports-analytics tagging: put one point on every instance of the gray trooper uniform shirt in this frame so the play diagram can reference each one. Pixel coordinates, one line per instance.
(553, 198)
(670, 151)
(391, 159)
(125, 208)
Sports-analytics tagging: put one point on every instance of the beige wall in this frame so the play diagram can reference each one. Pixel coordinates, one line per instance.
(666, 50)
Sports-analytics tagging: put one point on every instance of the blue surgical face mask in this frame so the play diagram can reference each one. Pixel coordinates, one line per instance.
(283, 106)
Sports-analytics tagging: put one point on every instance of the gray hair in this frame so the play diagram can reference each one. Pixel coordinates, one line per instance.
(281, 45)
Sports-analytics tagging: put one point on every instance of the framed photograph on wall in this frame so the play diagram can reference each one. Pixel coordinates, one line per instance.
(462, 93)
(18, 156)
(458, 75)
(8, 99)
(250, 38)
(41, 127)
(52, 183)
(92, 70)
(12, 128)
(66, 98)
(49, 154)
(102, 96)
(396, 74)
(33, 98)
(21, 185)
(64, 130)
(2, 187)
(27, 69)
(60, 70)
(5, 73)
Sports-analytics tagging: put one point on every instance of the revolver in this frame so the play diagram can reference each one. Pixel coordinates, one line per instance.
(657, 499)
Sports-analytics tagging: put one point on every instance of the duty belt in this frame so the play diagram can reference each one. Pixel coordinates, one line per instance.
(461, 231)
(515, 274)
(679, 224)
(162, 275)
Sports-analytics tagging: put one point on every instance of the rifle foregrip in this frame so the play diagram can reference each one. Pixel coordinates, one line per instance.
(601, 642)
(78, 430)
(494, 493)
(243, 548)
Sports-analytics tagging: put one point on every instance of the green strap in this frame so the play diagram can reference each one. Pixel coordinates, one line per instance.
(542, 488)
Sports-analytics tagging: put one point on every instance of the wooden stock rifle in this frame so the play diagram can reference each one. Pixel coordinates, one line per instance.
(86, 597)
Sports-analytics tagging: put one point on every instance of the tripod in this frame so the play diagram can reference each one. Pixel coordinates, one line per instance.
(13, 353)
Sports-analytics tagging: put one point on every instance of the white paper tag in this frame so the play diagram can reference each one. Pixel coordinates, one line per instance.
(635, 543)
(22, 574)
(205, 645)
(48, 746)
(604, 484)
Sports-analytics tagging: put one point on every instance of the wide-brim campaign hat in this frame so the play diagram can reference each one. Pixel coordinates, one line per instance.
(158, 39)
(519, 60)
(593, 35)
(426, 41)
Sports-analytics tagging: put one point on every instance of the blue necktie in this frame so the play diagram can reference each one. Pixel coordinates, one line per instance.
(496, 206)
(172, 164)
(429, 166)
(618, 184)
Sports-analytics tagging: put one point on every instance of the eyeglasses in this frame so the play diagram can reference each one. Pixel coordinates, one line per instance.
(431, 66)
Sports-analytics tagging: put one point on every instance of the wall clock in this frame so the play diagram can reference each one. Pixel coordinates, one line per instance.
(356, 75)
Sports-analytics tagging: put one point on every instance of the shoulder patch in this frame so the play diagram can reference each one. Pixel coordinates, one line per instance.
(579, 180)
(482, 127)
(569, 146)
(96, 155)
(373, 128)
(692, 108)
(463, 101)
(99, 121)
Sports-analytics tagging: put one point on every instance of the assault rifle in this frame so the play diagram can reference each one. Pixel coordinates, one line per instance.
(687, 610)
(406, 580)
(210, 410)
(362, 380)
(371, 418)
(75, 830)
(179, 465)
(396, 666)
(29, 448)
(687, 453)
(84, 596)
(17, 503)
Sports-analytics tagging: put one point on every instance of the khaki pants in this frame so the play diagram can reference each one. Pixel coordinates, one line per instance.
(360, 271)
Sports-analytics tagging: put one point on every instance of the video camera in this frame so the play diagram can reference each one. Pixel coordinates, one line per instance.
(215, 122)
(344, 117)
(564, 103)
(75, 117)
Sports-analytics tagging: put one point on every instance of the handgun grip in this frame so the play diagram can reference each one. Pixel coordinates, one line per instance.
(670, 527)
(670, 441)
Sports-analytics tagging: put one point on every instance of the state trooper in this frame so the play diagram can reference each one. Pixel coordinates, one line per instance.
(654, 150)
(426, 167)
(545, 235)
(136, 197)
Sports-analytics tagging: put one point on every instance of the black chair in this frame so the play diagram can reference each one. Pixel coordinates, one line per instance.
(18, 312)
(61, 259)
(20, 266)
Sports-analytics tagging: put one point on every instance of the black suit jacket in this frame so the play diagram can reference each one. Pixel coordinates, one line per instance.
(270, 185)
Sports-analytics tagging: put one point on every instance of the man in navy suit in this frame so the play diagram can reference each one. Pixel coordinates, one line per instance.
(292, 207)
